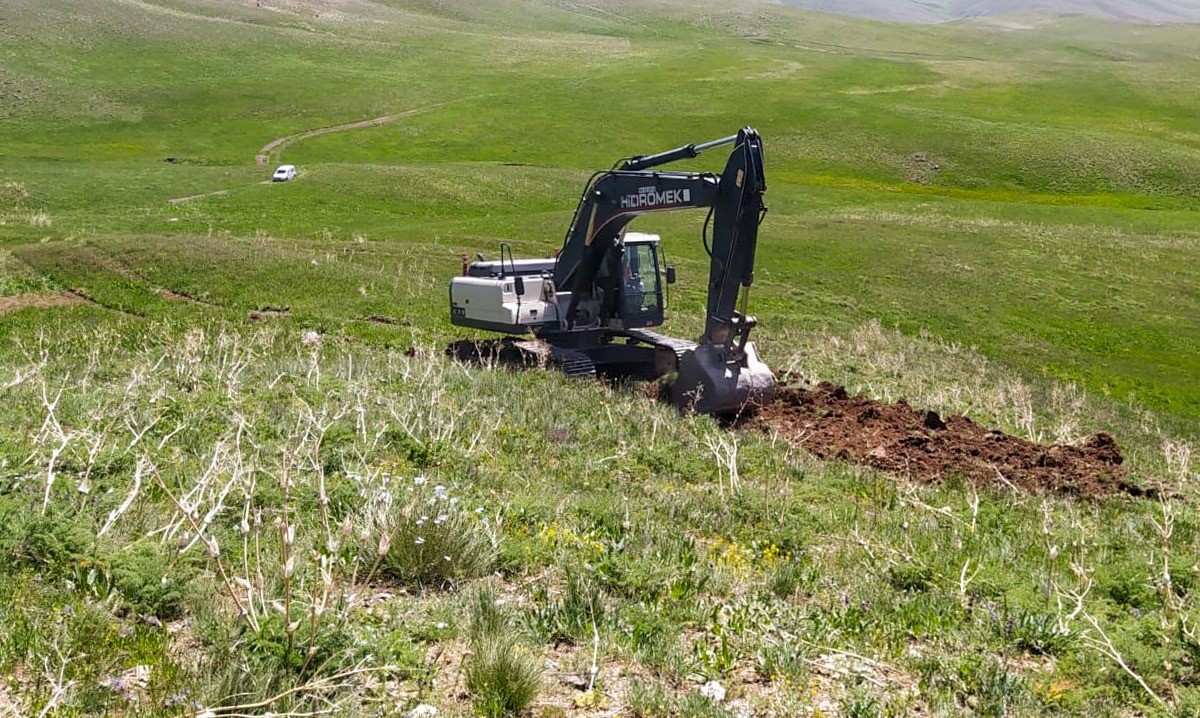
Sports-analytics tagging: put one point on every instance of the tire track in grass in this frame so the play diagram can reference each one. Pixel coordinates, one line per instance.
(264, 154)
(189, 198)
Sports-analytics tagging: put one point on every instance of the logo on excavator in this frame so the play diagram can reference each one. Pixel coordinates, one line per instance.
(651, 197)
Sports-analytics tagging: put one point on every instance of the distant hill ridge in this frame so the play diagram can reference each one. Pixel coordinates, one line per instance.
(936, 11)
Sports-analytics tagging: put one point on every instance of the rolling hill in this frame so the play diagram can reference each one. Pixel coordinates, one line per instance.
(239, 472)
(937, 11)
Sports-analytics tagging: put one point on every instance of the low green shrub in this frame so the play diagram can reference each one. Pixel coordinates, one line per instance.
(54, 541)
(1038, 633)
(151, 581)
(911, 578)
(305, 650)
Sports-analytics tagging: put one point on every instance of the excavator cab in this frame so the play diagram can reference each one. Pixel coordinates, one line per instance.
(641, 286)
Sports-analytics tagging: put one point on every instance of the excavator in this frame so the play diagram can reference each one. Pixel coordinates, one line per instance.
(590, 308)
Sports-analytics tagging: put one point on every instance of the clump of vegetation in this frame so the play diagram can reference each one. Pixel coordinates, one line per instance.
(54, 540)
(572, 615)
(1038, 633)
(428, 538)
(152, 580)
(502, 674)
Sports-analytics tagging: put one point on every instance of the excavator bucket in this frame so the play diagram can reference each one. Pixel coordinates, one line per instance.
(707, 383)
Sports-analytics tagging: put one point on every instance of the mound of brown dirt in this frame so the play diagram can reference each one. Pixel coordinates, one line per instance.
(922, 446)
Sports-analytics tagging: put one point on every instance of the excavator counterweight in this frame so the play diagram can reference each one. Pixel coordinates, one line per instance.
(592, 305)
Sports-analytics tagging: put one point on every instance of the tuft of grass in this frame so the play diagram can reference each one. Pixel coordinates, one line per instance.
(574, 615)
(502, 675)
(486, 617)
(430, 540)
(1039, 633)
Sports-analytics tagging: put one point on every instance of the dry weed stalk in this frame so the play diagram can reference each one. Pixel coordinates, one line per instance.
(1072, 606)
(724, 447)
(57, 679)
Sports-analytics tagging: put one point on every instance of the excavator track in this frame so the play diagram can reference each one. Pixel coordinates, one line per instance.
(576, 365)
(678, 346)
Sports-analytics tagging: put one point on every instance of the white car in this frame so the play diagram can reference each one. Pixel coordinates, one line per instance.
(284, 173)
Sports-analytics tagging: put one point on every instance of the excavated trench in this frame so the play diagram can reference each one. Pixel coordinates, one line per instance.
(922, 446)
(898, 439)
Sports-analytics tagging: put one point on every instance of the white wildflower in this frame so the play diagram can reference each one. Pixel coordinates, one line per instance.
(419, 540)
(713, 691)
(423, 710)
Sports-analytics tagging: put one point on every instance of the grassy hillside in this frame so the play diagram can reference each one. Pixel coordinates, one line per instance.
(226, 407)
(1010, 12)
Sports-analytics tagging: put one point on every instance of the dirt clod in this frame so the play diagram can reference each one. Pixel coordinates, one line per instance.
(922, 446)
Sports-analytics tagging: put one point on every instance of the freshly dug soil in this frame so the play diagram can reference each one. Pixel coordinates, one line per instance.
(922, 446)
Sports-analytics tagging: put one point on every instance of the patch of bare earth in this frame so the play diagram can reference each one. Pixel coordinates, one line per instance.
(265, 313)
(39, 300)
(390, 321)
(903, 441)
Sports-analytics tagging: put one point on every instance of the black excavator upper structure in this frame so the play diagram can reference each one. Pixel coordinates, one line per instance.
(591, 306)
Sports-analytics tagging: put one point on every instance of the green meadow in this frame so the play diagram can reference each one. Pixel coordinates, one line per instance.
(225, 407)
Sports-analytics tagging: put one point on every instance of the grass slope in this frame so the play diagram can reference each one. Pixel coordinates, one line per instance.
(951, 10)
(997, 223)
